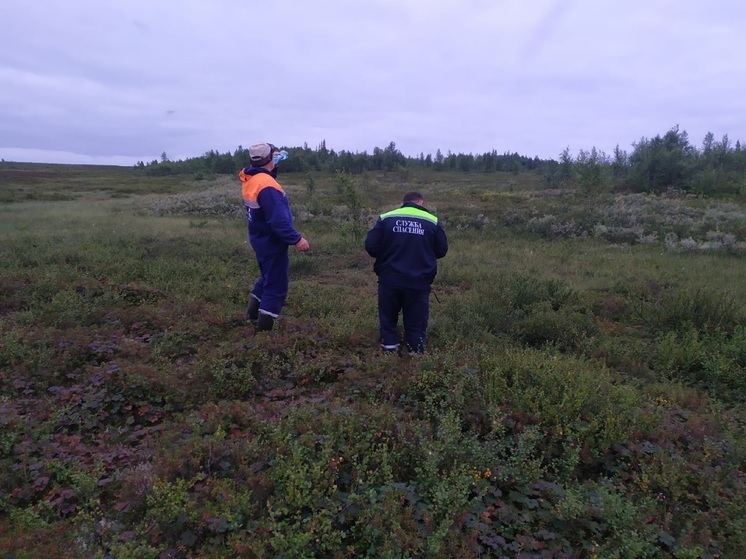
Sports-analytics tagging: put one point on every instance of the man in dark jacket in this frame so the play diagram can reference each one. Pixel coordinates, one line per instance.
(406, 244)
(271, 233)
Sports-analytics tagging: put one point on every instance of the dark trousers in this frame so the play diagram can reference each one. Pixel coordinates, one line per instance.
(271, 289)
(414, 304)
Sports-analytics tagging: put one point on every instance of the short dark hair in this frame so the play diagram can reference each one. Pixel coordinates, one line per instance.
(412, 197)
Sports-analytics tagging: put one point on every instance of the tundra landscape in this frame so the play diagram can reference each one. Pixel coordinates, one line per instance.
(582, 394)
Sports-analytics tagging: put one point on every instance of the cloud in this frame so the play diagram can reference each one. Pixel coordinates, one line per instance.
(122, 80)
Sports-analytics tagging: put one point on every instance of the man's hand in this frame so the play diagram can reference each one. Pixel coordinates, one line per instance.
(302, 245)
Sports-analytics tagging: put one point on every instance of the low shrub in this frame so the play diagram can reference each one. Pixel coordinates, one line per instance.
(679, 309)
(565, 329)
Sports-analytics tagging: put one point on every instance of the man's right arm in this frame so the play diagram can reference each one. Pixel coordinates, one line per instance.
(441, 242)
(374, 238)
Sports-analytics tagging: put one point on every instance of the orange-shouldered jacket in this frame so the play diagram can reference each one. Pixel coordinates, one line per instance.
(268, 211)
(252, 183)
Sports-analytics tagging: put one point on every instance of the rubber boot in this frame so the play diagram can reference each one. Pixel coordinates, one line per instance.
(252, 311)
(264, 323)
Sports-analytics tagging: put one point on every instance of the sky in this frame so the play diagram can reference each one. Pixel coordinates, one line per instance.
(104, 82)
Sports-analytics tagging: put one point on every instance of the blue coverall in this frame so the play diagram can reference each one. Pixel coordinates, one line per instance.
(271, 233)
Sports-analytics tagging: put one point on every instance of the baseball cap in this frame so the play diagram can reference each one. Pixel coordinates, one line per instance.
(261, 153)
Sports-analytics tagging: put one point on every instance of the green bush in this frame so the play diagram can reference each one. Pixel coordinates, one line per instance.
(572, 399)
(684, 308)
(564, 329)
(714, 361)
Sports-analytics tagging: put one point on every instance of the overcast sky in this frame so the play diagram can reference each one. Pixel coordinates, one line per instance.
(99, 81)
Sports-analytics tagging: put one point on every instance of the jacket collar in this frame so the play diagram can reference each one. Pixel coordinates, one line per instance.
(251, 171)
(413, 205)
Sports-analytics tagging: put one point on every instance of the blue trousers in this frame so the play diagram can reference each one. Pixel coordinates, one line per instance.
(414, 304)
(271, 289)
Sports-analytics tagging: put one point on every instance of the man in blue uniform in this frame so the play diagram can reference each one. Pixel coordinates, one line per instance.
(271, 233)
(406, 244)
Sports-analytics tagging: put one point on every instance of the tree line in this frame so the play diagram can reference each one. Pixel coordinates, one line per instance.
(320, 159)
(653, 165)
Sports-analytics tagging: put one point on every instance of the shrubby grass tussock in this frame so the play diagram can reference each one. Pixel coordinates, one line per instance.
(582, 396)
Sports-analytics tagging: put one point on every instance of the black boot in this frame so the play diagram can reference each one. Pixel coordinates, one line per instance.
(252, 311)
(264, 323)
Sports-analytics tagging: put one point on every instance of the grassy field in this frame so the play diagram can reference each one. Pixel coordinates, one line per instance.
(582, 395)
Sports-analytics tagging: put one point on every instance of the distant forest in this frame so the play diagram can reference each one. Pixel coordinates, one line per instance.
(654, 165)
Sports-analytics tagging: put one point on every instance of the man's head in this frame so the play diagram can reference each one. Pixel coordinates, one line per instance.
(261, 154)
(413, 198)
